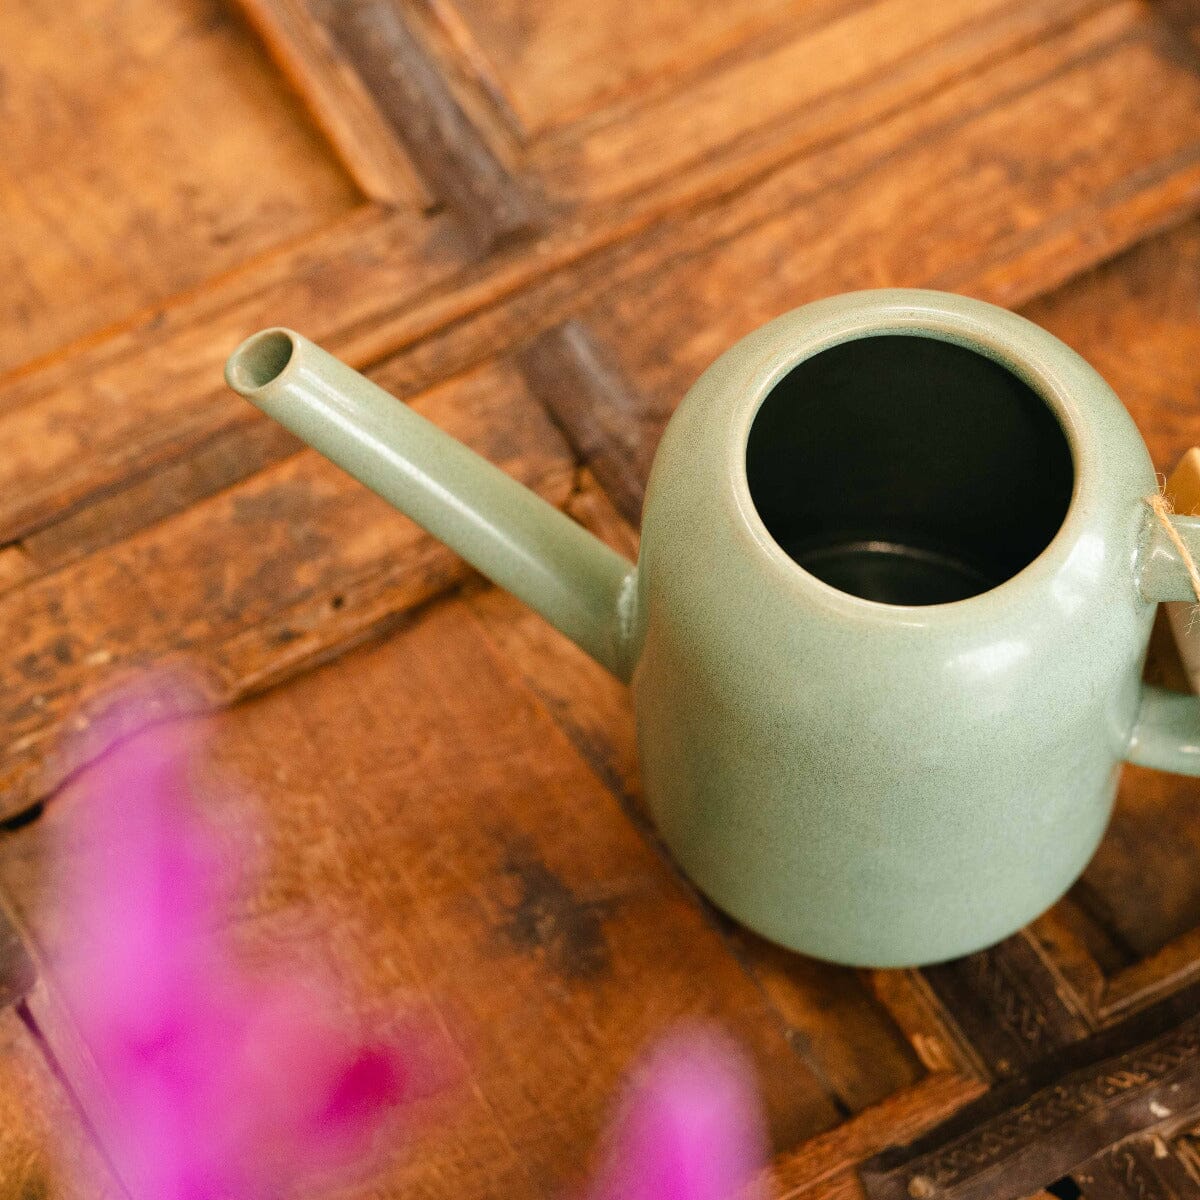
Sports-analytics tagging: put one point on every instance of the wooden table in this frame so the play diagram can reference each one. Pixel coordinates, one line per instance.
(538, 222)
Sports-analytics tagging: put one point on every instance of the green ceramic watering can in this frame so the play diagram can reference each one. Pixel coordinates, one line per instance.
(886, 630)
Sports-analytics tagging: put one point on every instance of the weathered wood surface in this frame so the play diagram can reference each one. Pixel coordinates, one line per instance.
(961, 190)
(539, 223)
(1141, 1077)
(525, 916)
(810, 72)
(328, 563)
(340, 102)
(118, 187)
(457, 162)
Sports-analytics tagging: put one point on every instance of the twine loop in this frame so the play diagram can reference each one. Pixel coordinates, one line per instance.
(1161, 507)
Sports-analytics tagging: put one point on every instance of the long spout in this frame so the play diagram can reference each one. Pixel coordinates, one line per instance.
(504, 530)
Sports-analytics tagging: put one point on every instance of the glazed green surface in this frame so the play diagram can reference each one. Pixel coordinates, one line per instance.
(879, 784)
(870, 783)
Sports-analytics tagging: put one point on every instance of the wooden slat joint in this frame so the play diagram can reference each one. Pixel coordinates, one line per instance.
(594, 405)
(449, 151)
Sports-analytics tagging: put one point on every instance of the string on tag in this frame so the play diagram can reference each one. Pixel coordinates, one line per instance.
(1162, 508)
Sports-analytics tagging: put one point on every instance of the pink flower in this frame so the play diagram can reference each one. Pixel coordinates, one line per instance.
(691, 1128)
(221, 1084)
(218, 1084)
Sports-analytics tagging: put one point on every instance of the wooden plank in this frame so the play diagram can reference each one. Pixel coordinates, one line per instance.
(460, 166)
(834, 1021)
(255, 582)
(939, 1045)
(259, 561)
(1135, 319)
(598, 409)
(92, 422)
(833, 73)
(1009, 1004)
(1184, 16)
(831, 1157)
(1064, 934)
(964, 191)
(118, 186)
(1136, 1078)
(553, 65)
(215, 465)
(1176, 965)
(1142, 1167)
(338, 100)
(17, 972)
(1142, 880)
(460, 862)
(931, 192)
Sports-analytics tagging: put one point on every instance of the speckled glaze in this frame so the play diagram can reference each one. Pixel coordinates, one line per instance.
(869, 783)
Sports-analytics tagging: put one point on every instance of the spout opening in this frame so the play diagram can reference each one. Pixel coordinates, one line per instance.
(259, 360)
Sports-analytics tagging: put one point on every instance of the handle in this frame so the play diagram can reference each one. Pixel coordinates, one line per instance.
(1166, 733)
(501, 528)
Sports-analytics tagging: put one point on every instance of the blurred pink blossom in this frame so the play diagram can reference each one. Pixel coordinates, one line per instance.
(223, 1084)
(691, 1127)
(219, 1083)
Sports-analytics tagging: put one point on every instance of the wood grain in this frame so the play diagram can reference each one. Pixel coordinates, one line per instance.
(937, 1042)
(17, 972)
(1135, 319)
(1067, 937)
(608, 197)
(460, 166)
(1141, 1167)
(551, 65)
(963, 191)
(931, 194)
(575, 378)
(942, 211)
(118, 188)
(463, 863)
(215, 465)
(1007, 1002)
(252, 583)
(1136, 1078)
(1147, 979)
(339, 101)
(830, 1158)
(80, 427)
(821, 79)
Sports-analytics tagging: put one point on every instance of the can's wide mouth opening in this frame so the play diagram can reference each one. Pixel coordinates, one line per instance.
(908, 470)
